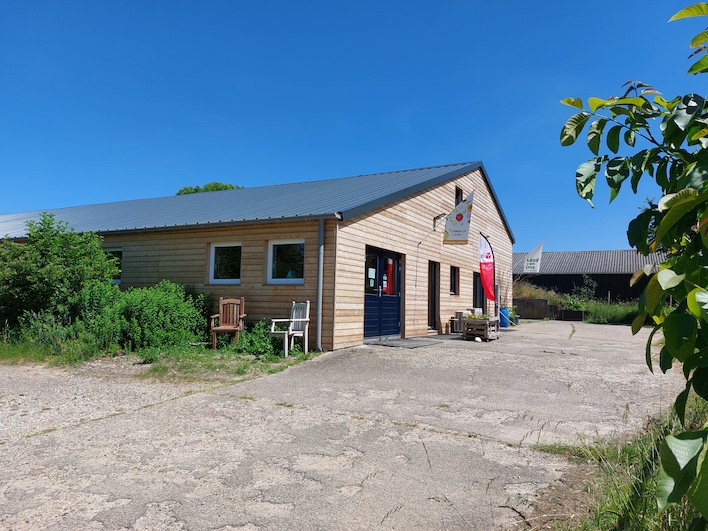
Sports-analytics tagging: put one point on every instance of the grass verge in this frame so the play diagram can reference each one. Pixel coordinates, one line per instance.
(626, 470)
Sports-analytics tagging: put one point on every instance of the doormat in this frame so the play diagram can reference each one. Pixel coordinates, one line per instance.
(406, 343)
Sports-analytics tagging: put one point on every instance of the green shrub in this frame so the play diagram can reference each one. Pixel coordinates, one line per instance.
(256, 341)
(45, 275)
(159, 316)
(101, 322)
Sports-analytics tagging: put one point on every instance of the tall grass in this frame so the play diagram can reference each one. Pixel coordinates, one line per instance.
(596, 310)
(627, 473)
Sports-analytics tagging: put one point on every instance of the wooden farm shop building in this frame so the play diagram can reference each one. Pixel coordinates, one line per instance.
(367, 251)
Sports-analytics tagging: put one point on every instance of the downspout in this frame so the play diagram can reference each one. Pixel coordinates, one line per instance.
(320, 281)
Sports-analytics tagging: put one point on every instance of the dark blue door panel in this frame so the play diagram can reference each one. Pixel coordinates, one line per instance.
(382, 298)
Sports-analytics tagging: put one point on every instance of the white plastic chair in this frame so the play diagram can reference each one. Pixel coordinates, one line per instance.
(297, 326)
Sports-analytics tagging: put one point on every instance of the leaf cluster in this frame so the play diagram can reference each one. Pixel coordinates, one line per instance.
(642, 135)
(47, 272)
(208, 187)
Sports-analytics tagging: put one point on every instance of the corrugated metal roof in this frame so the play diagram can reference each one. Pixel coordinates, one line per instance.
(589, 262)
(342, 198)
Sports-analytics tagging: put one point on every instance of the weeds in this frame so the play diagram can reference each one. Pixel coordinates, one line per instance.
(626, 486)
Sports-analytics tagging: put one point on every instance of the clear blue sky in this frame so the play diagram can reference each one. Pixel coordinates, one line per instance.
(111, 100)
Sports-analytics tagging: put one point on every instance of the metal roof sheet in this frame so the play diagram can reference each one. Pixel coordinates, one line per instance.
(342, 198)
(589, 262)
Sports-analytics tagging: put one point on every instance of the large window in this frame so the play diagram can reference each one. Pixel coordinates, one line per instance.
(225, 263)
(286, 262)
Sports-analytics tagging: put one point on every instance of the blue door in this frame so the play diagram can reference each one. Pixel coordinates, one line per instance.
(382, 293)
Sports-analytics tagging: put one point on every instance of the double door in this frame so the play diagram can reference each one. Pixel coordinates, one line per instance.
(382, 293)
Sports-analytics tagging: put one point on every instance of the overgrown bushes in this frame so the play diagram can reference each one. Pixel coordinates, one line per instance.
(596, 311)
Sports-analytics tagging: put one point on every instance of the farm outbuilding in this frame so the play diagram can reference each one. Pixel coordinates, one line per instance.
(611, 271)
(367, 251)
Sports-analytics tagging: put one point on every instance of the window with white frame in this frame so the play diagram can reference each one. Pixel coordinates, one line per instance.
(286, 262)
(225, 263)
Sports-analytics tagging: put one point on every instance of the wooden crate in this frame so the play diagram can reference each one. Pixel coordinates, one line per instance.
(485, 328)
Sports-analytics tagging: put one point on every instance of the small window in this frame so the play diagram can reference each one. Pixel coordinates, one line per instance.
(459, 195)
(117, 254)
(225, 263)
(286, 262)
(454, 280)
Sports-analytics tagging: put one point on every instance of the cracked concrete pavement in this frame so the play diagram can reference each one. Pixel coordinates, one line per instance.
(436, 437)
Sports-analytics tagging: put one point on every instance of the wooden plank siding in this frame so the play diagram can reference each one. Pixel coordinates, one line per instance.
(404, 228)
(182, 256)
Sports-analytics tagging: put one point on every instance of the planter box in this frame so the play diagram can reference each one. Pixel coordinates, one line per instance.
(572, 315)
(485, 328)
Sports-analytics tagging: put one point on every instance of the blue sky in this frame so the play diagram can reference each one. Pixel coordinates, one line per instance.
(107, 101)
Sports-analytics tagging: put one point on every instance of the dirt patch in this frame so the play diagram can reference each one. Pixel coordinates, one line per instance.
(564, 503)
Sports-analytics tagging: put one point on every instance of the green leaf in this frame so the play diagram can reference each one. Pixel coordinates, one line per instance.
(585, 177)
(680, 403)
(697, 301)
(573, 127)
(573, 102)
(629, 137)
(638, 102)
(696, 10)
(696, 176)
(665, 360)
(613, 136)
(678, 206)
(616, 172)
(698, 492)
(700, 382)
(669, 279)
(700, 134)
(654, 294)
(596, 103)
(638, 231)
(595, 135)
(679, 462)
(668, 105)
(685, 112)
(699, 39)
(699, 66)
(648, 349)
(638, 323)
(680, 330)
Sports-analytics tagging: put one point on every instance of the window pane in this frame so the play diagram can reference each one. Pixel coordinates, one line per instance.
(454, 280)
(371, 275)
(288, 260)
(227, 263)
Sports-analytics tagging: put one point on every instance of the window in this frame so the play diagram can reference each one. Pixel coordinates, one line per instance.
(225, 263)
(286, 262)
(117, 254)
(454, 280)
(459, 195)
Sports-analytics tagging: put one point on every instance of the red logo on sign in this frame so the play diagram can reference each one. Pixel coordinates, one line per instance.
(459, 216)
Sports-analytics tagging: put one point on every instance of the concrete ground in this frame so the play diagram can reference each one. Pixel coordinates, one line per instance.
(440, 436)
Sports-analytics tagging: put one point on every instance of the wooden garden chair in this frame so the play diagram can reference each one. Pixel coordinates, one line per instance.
(230, 317)
(296, 326)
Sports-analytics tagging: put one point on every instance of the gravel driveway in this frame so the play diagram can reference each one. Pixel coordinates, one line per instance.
(440, 436)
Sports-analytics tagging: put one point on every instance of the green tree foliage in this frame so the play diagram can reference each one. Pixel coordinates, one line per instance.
(643, 135)
(208, 187)
(48, 271)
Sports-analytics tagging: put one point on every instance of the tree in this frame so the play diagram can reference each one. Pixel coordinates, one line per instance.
(667, 141)
(49, 270)
(208, 187)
